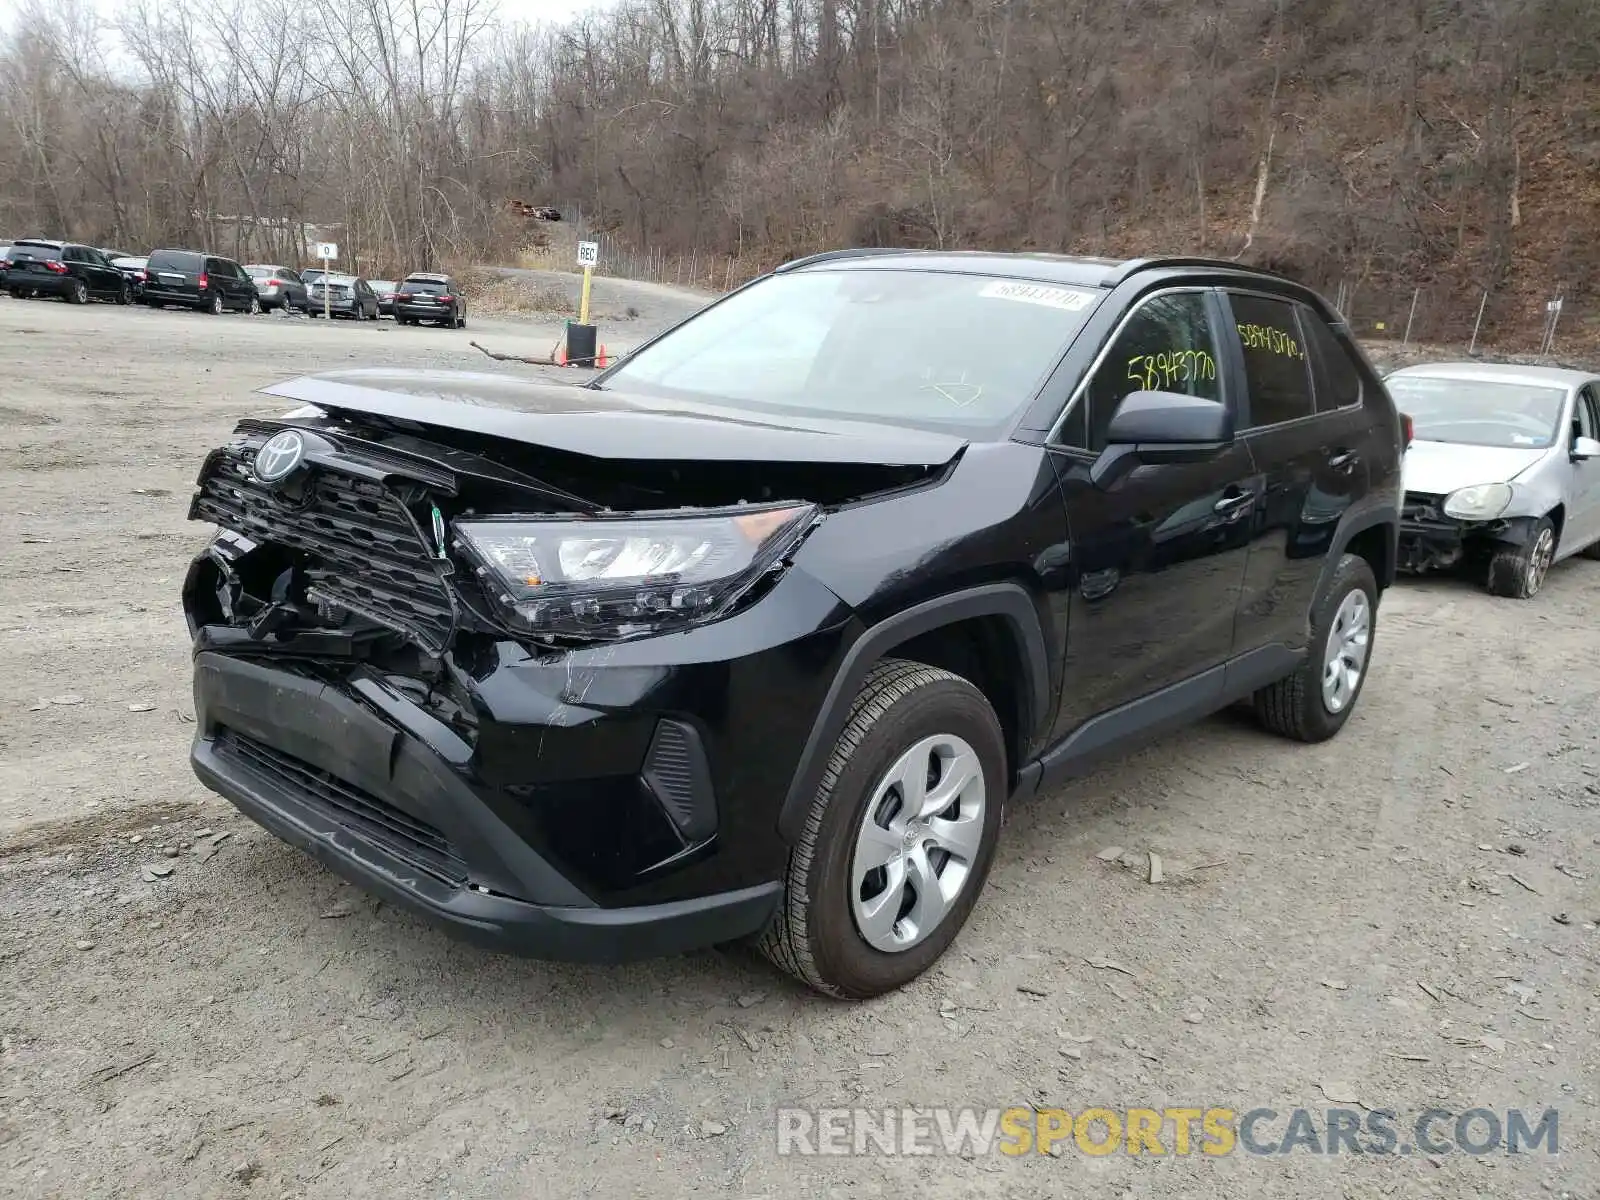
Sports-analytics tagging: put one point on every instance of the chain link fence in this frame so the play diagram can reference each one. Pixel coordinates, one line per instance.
(1556, 324)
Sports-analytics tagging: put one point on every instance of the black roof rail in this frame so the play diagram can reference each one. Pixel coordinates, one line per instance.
(795, 264)
(1134, 265)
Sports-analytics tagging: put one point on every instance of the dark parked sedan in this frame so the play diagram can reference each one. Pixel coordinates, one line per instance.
(344, 296)
(385, 290)
(36, 267)
(133, 267)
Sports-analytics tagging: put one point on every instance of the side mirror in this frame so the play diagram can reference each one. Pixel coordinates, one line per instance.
(1583, 447)
(1161, 427)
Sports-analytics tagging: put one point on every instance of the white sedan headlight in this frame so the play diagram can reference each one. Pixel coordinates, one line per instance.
(620, 576)
(1480, 502)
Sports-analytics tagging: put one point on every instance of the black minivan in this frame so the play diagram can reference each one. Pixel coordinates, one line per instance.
(195, 280)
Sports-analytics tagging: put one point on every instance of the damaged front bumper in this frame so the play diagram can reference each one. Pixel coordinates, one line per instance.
(1431, 541)
(601, 806)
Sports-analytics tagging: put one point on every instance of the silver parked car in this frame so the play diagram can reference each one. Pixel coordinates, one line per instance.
(1503, 473)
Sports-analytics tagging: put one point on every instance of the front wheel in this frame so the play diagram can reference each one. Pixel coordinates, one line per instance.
(1519, 571)
(255, 306)
(899, 838)
(1314, 703)
(125, 295)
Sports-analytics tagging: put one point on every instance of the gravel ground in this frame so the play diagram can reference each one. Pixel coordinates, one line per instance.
(1402, 918)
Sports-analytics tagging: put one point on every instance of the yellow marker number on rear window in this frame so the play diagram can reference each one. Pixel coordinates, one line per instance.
(1269, 340)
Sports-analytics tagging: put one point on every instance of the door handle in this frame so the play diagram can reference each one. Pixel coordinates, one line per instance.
(1344, 461)
(1229, 503)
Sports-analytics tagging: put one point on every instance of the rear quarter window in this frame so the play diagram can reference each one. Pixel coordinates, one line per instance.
(1337, 379)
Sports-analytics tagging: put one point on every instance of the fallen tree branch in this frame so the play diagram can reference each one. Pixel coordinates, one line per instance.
(536, 362)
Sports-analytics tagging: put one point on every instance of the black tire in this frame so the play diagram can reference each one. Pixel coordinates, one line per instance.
(125, 295)
(1518, 572)
(255, 306)
(814, 936)
(78, 293)
(213, 306)
(1295, 707)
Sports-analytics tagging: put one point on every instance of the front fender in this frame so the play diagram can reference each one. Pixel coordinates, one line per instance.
(1010, 601)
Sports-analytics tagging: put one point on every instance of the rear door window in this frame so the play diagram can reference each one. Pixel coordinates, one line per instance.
(1276, 366)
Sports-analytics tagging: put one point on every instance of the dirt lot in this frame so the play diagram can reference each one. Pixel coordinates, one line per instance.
(1403, 918)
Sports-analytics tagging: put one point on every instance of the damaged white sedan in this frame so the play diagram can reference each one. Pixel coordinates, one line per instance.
(1503, 474)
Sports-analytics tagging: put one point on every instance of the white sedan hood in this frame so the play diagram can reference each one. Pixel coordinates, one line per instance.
(1439, 468)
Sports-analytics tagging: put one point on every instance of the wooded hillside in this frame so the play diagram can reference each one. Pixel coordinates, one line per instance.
(1381, 145)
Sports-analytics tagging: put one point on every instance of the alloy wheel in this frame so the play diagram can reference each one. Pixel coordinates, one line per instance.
(1539, 560)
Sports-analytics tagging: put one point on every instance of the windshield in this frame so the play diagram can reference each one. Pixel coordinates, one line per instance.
(1476, 412)
(927, 349)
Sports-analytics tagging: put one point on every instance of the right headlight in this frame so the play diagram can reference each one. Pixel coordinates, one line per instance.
(1480, 502)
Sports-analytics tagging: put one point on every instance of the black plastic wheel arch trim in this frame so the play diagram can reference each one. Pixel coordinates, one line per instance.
(1010, 601)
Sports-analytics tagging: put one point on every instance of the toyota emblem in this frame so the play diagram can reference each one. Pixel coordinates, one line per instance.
(279, 454)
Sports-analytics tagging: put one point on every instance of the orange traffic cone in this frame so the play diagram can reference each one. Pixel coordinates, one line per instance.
(561, 355)
(600, 361)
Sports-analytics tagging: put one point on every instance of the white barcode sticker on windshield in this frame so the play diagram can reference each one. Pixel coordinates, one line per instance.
(1069, 299)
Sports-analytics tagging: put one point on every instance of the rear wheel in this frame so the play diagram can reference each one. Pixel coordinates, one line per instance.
(213, 306)
(1519, 571)
(78, 292)
(1314, 703)
(899, 838)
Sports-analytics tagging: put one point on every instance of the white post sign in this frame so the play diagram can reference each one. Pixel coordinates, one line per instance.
(327, 252)
(588, 256)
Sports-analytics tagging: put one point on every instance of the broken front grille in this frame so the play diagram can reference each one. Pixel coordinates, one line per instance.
(1422, 506)
(399, 834)
(363, 551)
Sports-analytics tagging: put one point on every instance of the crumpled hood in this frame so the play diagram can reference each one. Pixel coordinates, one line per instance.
(608, 424)
(1438, 468)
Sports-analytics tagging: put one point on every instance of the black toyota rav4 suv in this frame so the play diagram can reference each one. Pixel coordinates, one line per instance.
(757, 633)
